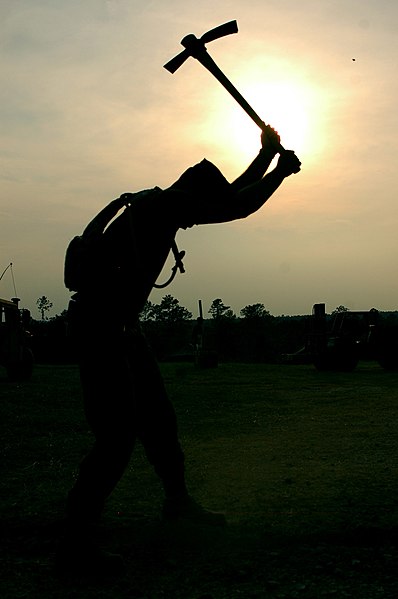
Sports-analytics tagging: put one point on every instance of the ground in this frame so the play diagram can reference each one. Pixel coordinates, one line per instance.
(303, 464)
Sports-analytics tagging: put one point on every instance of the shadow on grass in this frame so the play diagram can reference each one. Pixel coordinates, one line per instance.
(187, 562)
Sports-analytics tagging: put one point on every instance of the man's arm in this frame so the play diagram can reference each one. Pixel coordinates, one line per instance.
(243, 202)
(269, 141)
(251, 198)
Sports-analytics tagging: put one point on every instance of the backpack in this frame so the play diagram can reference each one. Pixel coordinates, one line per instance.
(78, 263)
(84, 259)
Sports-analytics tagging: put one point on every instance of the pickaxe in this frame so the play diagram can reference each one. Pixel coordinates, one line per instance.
(196, 47)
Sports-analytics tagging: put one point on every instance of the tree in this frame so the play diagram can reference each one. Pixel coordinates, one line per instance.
(219, 311)
(43, 305)
(147, 311)
(256, 332)
(254, 312)
(169, 311)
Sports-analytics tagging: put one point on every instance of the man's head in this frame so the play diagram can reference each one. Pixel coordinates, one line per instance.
(201, 180)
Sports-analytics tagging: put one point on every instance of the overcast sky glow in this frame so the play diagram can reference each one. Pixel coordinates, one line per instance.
(88, 112)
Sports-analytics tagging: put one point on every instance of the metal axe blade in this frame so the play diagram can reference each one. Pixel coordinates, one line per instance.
(220, 31)
(196, 48)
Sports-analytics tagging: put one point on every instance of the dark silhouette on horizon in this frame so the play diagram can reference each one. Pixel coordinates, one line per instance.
(125, 399)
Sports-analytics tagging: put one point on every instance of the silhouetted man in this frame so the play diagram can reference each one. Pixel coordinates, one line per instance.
(112, 268)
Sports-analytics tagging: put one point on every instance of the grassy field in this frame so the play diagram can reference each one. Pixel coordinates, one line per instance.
(303, 464)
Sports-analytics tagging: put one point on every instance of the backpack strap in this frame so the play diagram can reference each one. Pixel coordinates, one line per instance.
(178, 255)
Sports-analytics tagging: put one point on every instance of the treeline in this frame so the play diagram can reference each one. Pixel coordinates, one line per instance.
(254, 335)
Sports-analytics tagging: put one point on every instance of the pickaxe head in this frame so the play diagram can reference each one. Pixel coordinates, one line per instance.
(194, 46)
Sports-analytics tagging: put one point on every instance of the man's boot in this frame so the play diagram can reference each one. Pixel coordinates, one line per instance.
(185, 508)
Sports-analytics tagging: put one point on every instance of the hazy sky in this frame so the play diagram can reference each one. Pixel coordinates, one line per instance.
(88, 112)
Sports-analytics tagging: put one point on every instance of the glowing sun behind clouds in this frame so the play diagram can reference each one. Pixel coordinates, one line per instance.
(292, 106)
(287, 107)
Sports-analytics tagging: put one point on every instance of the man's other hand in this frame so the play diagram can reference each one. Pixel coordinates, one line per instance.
(288, 163)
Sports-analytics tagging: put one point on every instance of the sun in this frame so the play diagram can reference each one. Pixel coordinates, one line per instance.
(290, 106)
(282, 105)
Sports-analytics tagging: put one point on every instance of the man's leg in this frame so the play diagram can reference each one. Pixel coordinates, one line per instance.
(99, 473)
(109, 406)
(110, 411)
(157, 430)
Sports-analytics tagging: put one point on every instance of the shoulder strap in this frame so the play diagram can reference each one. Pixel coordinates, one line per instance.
(178, 255)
